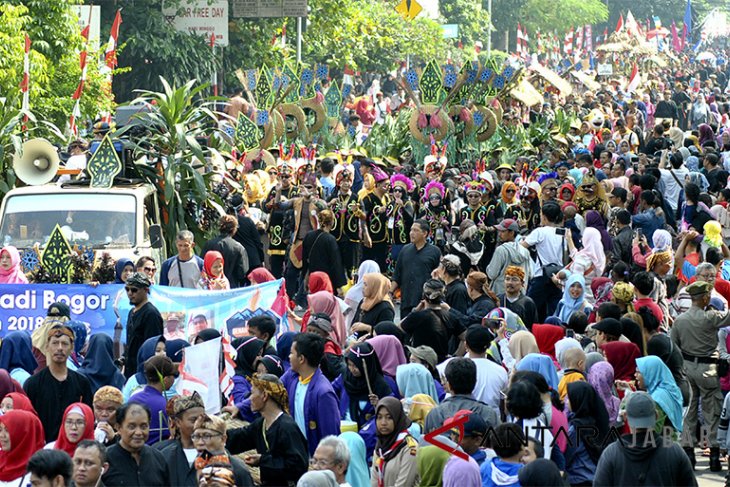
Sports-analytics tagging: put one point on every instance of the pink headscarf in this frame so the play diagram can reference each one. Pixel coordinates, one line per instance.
(390, 353)
(593, 248)
(14, 275)
(325, 302)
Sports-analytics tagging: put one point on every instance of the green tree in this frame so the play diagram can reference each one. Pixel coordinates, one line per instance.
(54, 60)
(666, 10)
(472, 19)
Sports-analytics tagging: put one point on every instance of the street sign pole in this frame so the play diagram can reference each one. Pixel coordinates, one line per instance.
(299, 39)
(489, 36)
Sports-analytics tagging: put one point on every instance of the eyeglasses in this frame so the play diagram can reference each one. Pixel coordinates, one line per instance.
(706, 277)
(318, 462)
(285, 176)
(550, 188)
(204, 436)
(75, 424)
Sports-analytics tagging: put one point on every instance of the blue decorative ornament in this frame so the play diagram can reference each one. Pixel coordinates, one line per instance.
(478, 118)
(276, 83)
(88, 252)
(29, 259)
(307, 76)
(471, 76)
(450, 80)
(346, 89)
(351, 130)
(251, 76)
(322, 71)
(508, 72)
(230, 130)
(412, 78)
(262, 117)
(486, 74)
(498, 82)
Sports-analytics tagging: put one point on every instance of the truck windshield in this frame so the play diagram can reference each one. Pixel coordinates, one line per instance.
(91, 220)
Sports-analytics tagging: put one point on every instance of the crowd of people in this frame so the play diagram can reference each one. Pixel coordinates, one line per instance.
(566, 313)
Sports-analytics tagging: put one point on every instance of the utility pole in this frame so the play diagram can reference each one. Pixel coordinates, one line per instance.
(489, 37)
(299, 39)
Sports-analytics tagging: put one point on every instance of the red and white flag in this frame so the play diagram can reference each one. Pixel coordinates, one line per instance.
(110, 55)
(25, 83)
(519, 39)
(579, 39)
(76, 113)
(634, 79)
(620, 24)
(568, 43)
(588, 37)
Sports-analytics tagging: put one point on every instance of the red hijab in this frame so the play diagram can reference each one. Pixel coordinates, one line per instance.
(260, 275)
(210, 257)
(320, 281)
(21, 402)
(546, 337)
(26, 438)
(63, 443)
(622, 356)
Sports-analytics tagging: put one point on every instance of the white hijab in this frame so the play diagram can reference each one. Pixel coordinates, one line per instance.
(354, 295)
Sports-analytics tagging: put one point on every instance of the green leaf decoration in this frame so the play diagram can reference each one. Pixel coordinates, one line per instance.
(333, 101)
(430, 84)
(104, 165)
(247, 133)
(462, 95)
(55, 258)
(263, 88)
(293, 79)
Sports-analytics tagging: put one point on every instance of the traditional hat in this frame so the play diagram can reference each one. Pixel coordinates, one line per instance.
(379, 175)
(546, 178)
(474, 186)
(505, 165)
(486, 178)
(402, 181)
(341, 172)
(434, 187)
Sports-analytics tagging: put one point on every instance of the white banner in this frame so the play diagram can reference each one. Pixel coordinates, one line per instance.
(201, 17)
(200, 373)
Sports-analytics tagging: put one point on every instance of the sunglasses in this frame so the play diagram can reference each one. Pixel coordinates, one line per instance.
(285, 176)
(149, 269)
(511, 191)
(132, 290)
(551, 188)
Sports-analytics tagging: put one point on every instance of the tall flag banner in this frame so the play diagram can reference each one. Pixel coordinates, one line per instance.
(525, 42)
(589, 37)
(676, 43)
(519, 40)
(632, 26)
(76, 113)
(687, 23)
(25, 83)
(634, 79)
(579, 39)
(605, 34)
(620, 24)
(283, 36)
(110, 55)
(215, 74)
(568, 42)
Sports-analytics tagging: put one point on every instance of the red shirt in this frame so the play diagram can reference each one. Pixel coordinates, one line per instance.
(649, 303)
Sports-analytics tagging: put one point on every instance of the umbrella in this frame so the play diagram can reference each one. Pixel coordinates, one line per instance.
(706, 56)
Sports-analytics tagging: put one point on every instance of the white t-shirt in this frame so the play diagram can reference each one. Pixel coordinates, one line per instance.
(491, 380)
(671, 187)
(549, 245)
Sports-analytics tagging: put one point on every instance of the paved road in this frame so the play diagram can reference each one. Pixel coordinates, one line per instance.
(705, 478)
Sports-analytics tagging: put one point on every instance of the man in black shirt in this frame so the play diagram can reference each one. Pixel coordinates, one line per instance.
(131, 462)
(657, 142)
(414, 266)
(144, 320)
(56, 387)
(666, 108)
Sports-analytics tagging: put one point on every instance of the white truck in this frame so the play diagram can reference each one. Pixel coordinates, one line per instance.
(123, 221)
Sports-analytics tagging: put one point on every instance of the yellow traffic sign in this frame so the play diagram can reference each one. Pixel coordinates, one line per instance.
(409, 9)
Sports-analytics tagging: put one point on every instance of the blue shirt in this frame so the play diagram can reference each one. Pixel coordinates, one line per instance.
(156, 402)
(299, 396)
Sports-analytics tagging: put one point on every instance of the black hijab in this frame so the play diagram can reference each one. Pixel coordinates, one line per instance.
(247, 351)
(208, 334)
(540, 473)
(400, 418)
(357, 387)
(390, 328)
(588, 412)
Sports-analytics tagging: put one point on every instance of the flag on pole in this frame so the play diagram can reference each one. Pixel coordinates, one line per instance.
(568, 42)
(519, 40)
(589, 38)
(76, 113)
(634, 79)
(632, 26)
(347, 77)
(605, 34)
(110, 55)
(620, 25)
(676, 43)
(25, 83)
(579, 39)
(283, 36)
(687, 23)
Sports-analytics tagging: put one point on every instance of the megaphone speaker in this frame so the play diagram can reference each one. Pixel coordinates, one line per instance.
(38, 163)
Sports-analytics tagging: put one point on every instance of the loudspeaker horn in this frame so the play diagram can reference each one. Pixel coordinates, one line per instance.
(38, 163)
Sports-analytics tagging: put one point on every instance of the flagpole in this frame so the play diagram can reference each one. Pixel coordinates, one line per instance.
(489, 36)
(299, 39)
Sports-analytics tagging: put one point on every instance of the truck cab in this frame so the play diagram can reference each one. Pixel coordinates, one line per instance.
(123, 221)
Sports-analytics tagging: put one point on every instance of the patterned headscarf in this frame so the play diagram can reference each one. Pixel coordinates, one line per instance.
(623, 292)
(658, 258)
(273, 387)
(109, 394)
(185, 403)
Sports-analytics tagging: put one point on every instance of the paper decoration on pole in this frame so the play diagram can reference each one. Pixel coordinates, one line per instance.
(110, 55)
(333, 101)
(76, 113)
(247, 133)
(409, 9)
(104, 165)
(55, 257)
(25, 83)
